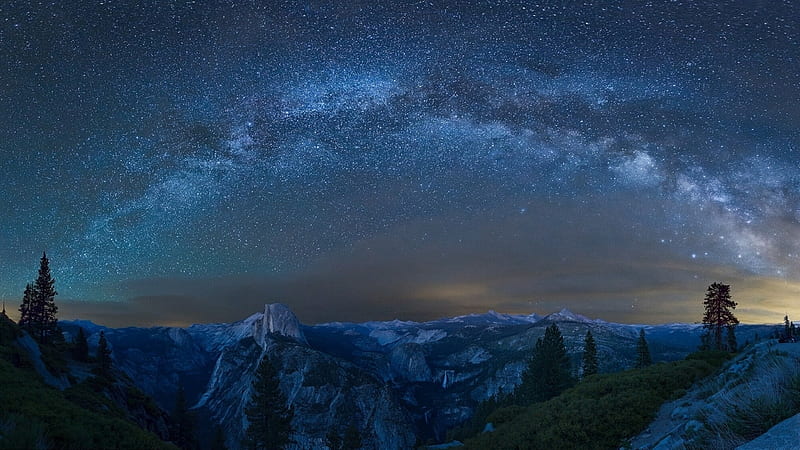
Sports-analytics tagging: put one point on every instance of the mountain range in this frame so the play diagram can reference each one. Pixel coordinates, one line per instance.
(400, 383)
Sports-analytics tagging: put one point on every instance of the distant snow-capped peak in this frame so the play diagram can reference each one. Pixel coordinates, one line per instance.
(566, 315)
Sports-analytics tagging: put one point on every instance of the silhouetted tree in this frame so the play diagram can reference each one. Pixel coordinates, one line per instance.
(718, 316)
(103, 356)
(788, 327)
(38, 309)
(81, 349)
(25, 313)
(590, 366)
(44, 293)
(7, 328)
(268, 416)
(548, 372)
(219, 440)
(643, 358)
(183, 420)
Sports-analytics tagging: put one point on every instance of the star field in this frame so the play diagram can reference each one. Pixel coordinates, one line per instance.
(186, 161)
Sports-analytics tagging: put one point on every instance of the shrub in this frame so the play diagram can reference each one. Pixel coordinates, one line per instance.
(764, 395)
(599, 413)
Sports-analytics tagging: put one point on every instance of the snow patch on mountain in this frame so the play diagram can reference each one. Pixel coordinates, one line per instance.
(387, 337)
(493, 317)
(566, 315)
(428, 336)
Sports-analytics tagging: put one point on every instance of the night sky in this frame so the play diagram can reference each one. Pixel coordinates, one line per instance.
(189, 161)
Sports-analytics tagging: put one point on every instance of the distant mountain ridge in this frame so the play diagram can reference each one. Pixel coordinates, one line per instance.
(428, 376)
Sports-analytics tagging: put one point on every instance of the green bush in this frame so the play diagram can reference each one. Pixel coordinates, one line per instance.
(714, 357)
(85, 396)
(53, 358)
(136, 398)
(598, 413)
(480, 417)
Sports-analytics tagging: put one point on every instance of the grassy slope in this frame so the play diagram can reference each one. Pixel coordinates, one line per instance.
(601, 412)
(34, 414)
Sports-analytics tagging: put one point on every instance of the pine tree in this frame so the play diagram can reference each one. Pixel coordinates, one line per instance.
(718, 315)
(38, 309)
(103, 356)
(183, 420)
(269, 418)
(81, 350)
(590, 366)
(25, 318)
(642, 352)
(787, 327)
(45, 309)
(548, 372)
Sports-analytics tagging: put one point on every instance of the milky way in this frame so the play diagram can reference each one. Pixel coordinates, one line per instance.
(187, 161)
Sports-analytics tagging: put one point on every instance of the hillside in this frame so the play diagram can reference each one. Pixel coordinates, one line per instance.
(753, 392)
(87, 414)
(751, 401)
(600, 412)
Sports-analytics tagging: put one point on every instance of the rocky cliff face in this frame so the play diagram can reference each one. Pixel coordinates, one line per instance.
(750, 394)
(785, 435)
(408, 363)
(324, 392)
(215, 365)
(279, 319)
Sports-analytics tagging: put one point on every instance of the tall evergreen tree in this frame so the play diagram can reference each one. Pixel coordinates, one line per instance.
(788, 330)
(268, 416)
(45, 309)
(548, 372)
(81, 350)
(590, 366)
(25, 312)
(183, 420)
(38, 309)
(718, 315)
(103, 356)
(643, 358)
